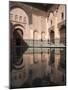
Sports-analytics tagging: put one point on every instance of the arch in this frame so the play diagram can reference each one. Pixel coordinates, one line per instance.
(35, 38)
(23, 7)
(51, 19)
(52, 36)
(19, 30)
(19, 5)
(62, 31)
(50, 15)
(19, 47)
(35, 35)
(61, 13)
(17, 12)
(17, 41)
(14, 26)
(42, 36)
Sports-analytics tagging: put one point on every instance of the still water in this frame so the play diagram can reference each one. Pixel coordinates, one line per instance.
(40, 67)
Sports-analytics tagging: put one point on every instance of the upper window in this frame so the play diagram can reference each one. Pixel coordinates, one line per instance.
(51, 22)
(11, 16)
(20, 18)
(24, 20)
(16, 17)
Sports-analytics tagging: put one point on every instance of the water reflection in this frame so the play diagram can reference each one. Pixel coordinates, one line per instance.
(42, 67)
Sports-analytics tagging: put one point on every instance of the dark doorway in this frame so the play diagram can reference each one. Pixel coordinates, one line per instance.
(62, 35)
(18, 37)
(52, 36)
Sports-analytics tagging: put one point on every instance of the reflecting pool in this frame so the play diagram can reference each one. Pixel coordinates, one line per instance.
(40, 67)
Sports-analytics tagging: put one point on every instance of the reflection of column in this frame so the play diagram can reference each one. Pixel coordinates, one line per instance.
(45, 57)
(57, 57)
(47, 37)
(36, 57)
(56, 73)
(56, 30)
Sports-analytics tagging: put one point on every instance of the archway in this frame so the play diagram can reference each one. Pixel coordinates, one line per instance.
(17, 46)
(23, 7)
(42, 36)
(35, 35)
(35, 39)
(52, 36)
(62, 35)
(19, 17)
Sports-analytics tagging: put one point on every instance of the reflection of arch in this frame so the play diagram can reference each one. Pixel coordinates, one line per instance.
(62, 34)
(37, 82)
(52, 36)
(63, 58)
(35, 57)
(42, 56)
(52, 58)
(45, 56)
(42, 36)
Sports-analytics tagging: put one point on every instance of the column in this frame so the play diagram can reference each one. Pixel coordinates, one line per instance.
(47, 36)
